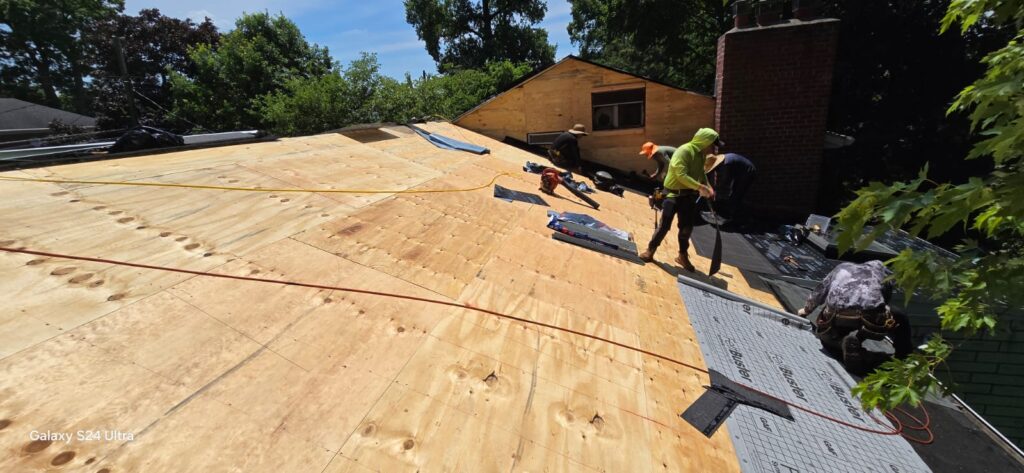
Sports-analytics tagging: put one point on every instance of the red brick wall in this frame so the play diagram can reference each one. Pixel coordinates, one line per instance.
(773, 85)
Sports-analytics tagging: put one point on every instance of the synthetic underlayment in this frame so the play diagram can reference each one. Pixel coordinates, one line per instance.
(777, 353)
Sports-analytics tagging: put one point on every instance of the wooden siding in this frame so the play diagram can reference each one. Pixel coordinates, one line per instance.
(560, 97)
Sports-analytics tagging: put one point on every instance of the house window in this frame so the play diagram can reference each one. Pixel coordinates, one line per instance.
(618, 109)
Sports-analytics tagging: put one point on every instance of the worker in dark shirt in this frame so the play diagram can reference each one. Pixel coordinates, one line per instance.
(731, 175)
(565, 150)
(856, 299)
(661, 155)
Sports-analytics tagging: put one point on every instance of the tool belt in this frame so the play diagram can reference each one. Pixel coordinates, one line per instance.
(874, 325)
(556, 157)
(657, 198)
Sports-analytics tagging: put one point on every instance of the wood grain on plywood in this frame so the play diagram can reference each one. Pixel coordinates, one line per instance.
(219, 374)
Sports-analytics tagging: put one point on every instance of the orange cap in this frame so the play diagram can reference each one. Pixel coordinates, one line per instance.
(648, 149)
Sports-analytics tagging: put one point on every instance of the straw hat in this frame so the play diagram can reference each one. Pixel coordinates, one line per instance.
(648, 149)
(712, 161)
(578, 129)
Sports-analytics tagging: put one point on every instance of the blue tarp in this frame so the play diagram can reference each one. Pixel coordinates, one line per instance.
(445, 142)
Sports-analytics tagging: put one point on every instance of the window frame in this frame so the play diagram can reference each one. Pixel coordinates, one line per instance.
(616, 111)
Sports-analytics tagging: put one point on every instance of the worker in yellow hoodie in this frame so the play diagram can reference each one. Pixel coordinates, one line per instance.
(684, 182)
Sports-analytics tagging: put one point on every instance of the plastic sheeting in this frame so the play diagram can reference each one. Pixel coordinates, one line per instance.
(445, 142)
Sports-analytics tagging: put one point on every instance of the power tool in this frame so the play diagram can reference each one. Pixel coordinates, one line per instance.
(550, 178)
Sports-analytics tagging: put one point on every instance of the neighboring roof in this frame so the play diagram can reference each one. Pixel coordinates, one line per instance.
(21, 115)
(210, 374)
(539, 71)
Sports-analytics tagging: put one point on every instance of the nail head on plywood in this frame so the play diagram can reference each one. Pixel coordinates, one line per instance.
(408, 444)
(116, 297)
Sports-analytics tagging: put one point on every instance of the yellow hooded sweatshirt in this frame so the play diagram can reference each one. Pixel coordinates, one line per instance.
(686, 168)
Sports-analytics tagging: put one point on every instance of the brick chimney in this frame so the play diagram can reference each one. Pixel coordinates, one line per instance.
(773, 84)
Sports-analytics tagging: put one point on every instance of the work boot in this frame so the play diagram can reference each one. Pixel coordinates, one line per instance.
(684, 260)
(647, 256)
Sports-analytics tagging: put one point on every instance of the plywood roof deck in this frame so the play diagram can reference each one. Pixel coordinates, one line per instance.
(224, 375)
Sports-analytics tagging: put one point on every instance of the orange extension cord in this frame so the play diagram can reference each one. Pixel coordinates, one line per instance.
(898, 430)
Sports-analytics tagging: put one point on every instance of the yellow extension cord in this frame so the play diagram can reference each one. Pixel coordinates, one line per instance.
(255, 189)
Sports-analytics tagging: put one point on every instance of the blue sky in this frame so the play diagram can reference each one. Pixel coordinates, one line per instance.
(347, 27)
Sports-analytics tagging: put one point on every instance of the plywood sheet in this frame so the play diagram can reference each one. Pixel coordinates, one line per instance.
(313, 379)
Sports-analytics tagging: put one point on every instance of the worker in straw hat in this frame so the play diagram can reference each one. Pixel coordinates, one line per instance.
(731, 176)
(565, 150)
(684, 182)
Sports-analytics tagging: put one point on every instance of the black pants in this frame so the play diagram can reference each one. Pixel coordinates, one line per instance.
(902, 340)
(683, 206)
(737, 191)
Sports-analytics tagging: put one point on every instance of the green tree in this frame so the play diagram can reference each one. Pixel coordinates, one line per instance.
(893, 79)
(465, 34)
(260, 56)
(668, 40)
(154, 46)
(361, 94)
(987, 280)
(307, 105)
(42, 55)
